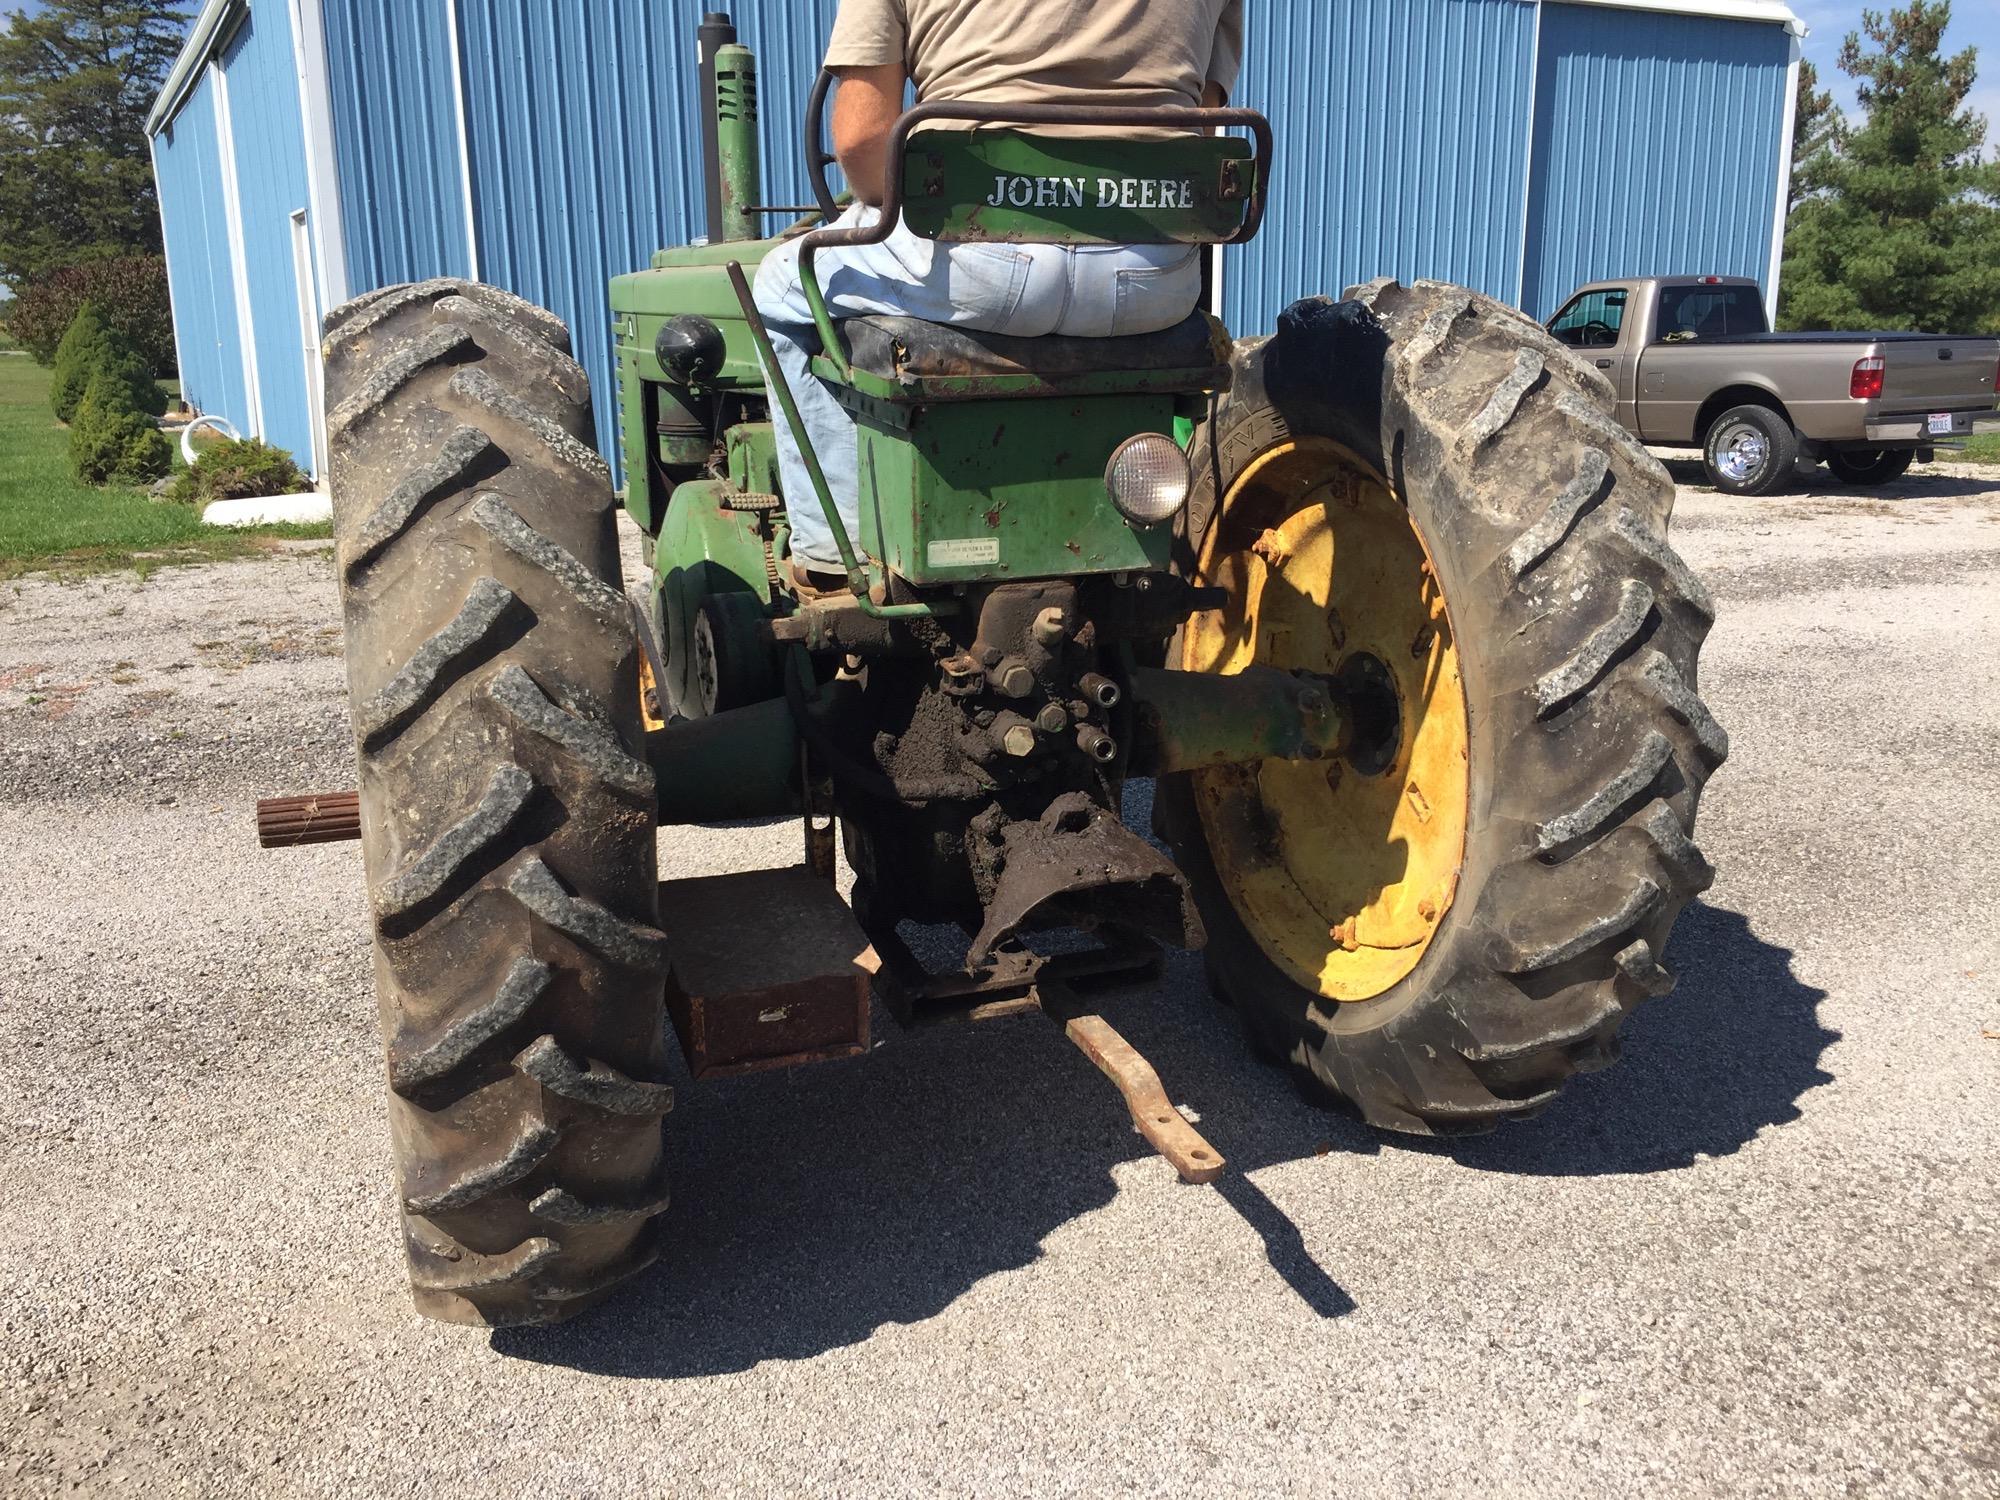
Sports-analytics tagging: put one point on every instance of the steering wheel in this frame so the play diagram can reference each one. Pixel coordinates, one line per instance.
(1590, 335)
(818, 158)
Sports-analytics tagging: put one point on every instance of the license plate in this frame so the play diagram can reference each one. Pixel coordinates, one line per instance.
(1941, 424)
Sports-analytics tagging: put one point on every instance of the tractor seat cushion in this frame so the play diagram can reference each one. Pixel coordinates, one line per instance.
(908, 349)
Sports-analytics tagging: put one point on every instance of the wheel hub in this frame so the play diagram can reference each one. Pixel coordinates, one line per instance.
(1341, 870)
(1741, 453)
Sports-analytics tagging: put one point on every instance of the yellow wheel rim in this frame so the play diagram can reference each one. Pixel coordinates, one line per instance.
(1342, 870)
(652, 707)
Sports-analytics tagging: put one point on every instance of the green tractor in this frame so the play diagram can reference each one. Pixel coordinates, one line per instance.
(1382, 605)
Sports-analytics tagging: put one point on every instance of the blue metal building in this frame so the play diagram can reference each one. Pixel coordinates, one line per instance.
(310, 150)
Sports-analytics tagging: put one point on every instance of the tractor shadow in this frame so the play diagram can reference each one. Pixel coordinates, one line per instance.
(1705, 1071)
(816, 1206)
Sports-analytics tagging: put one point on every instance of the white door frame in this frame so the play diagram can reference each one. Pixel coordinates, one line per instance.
(309, 320)
(328, 227)
(239, 259)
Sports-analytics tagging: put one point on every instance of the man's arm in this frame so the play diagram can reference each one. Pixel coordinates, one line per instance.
(865, 109)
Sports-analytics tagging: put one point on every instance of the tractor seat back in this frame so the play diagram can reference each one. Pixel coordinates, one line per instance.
(973, 173)
(1014, 186)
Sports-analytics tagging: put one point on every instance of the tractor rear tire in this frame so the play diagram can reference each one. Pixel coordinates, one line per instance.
(1442, 957)
(507, 809)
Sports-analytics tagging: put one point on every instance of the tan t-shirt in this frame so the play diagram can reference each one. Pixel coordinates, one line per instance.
(1144, 53)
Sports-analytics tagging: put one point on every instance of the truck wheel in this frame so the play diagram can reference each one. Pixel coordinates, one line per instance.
(1868, 470)
(1422, 496)
(506, 805)
(1749, 450)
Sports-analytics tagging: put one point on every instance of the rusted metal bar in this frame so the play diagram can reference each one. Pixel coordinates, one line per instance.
(318, 818)
(1152, 1112)
(1189, 721)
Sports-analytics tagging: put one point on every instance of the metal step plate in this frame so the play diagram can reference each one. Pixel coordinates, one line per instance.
(770, 970)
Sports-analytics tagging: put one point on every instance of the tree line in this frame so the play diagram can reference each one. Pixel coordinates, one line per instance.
(79, 215)
(1895, 218)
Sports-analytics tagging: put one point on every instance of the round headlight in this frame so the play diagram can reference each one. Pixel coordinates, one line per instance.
(1149, 479)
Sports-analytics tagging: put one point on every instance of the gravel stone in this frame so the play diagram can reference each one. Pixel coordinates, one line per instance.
(1757, 1258)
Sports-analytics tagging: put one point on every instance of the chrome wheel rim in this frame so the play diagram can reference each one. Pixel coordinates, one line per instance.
(1741, 452)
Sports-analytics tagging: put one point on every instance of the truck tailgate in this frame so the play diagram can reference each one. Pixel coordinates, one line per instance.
(1942, 374)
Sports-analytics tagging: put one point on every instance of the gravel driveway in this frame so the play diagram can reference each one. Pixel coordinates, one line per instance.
(1757, 1258)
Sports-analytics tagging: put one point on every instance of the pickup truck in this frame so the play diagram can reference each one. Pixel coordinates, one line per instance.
(1695, 365)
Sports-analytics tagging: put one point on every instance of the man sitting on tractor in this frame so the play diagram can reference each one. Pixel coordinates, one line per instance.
(1143, 53)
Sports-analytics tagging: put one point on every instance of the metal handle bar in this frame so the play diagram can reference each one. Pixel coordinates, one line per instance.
(818, 158)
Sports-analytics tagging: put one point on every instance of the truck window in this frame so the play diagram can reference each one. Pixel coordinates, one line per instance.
(1689, 313)
(1592, 320)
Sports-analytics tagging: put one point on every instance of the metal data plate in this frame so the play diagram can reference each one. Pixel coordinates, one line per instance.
(1011, 185)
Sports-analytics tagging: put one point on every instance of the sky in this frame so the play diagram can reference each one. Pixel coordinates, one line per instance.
(1974, 23)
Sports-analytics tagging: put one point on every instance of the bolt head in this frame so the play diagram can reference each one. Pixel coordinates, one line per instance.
(1049, 626)
(1053, 719)
(1015, 679)
(1019, 741)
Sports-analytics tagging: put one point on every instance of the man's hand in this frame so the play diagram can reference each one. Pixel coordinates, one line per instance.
(864, 111)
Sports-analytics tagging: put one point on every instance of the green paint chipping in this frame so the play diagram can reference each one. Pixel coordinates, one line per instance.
(736, 138)
(1011, 489)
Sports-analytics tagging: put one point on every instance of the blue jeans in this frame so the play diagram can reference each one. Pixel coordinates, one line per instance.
(1025, 291)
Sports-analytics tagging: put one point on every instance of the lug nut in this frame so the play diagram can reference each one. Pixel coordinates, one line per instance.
(1014, 677)
(1095, 743)
(1100, 689)
(1053, 719)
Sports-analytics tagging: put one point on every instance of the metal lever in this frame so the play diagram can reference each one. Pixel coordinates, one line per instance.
(1154, 1115)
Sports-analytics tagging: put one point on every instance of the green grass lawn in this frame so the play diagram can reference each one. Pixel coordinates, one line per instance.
(1984, 449)
(49, 522)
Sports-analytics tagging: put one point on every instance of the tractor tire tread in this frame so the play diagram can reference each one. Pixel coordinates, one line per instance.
(507, 806)
(441, 865)
(438, 663)
(414, 1062)
(462, 451)
(1578, 628)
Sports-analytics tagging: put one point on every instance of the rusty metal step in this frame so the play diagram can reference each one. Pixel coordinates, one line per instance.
(770, 970)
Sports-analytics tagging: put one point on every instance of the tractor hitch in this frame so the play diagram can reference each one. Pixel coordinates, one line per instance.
(1076, 865)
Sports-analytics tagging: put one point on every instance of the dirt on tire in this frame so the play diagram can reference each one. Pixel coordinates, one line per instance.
(1577, 630)
(506, 802)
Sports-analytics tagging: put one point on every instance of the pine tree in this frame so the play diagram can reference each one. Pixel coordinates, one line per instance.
(1818, 129)
(1904, 230)
(85, 347)
(76, 175)
(110, 442)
